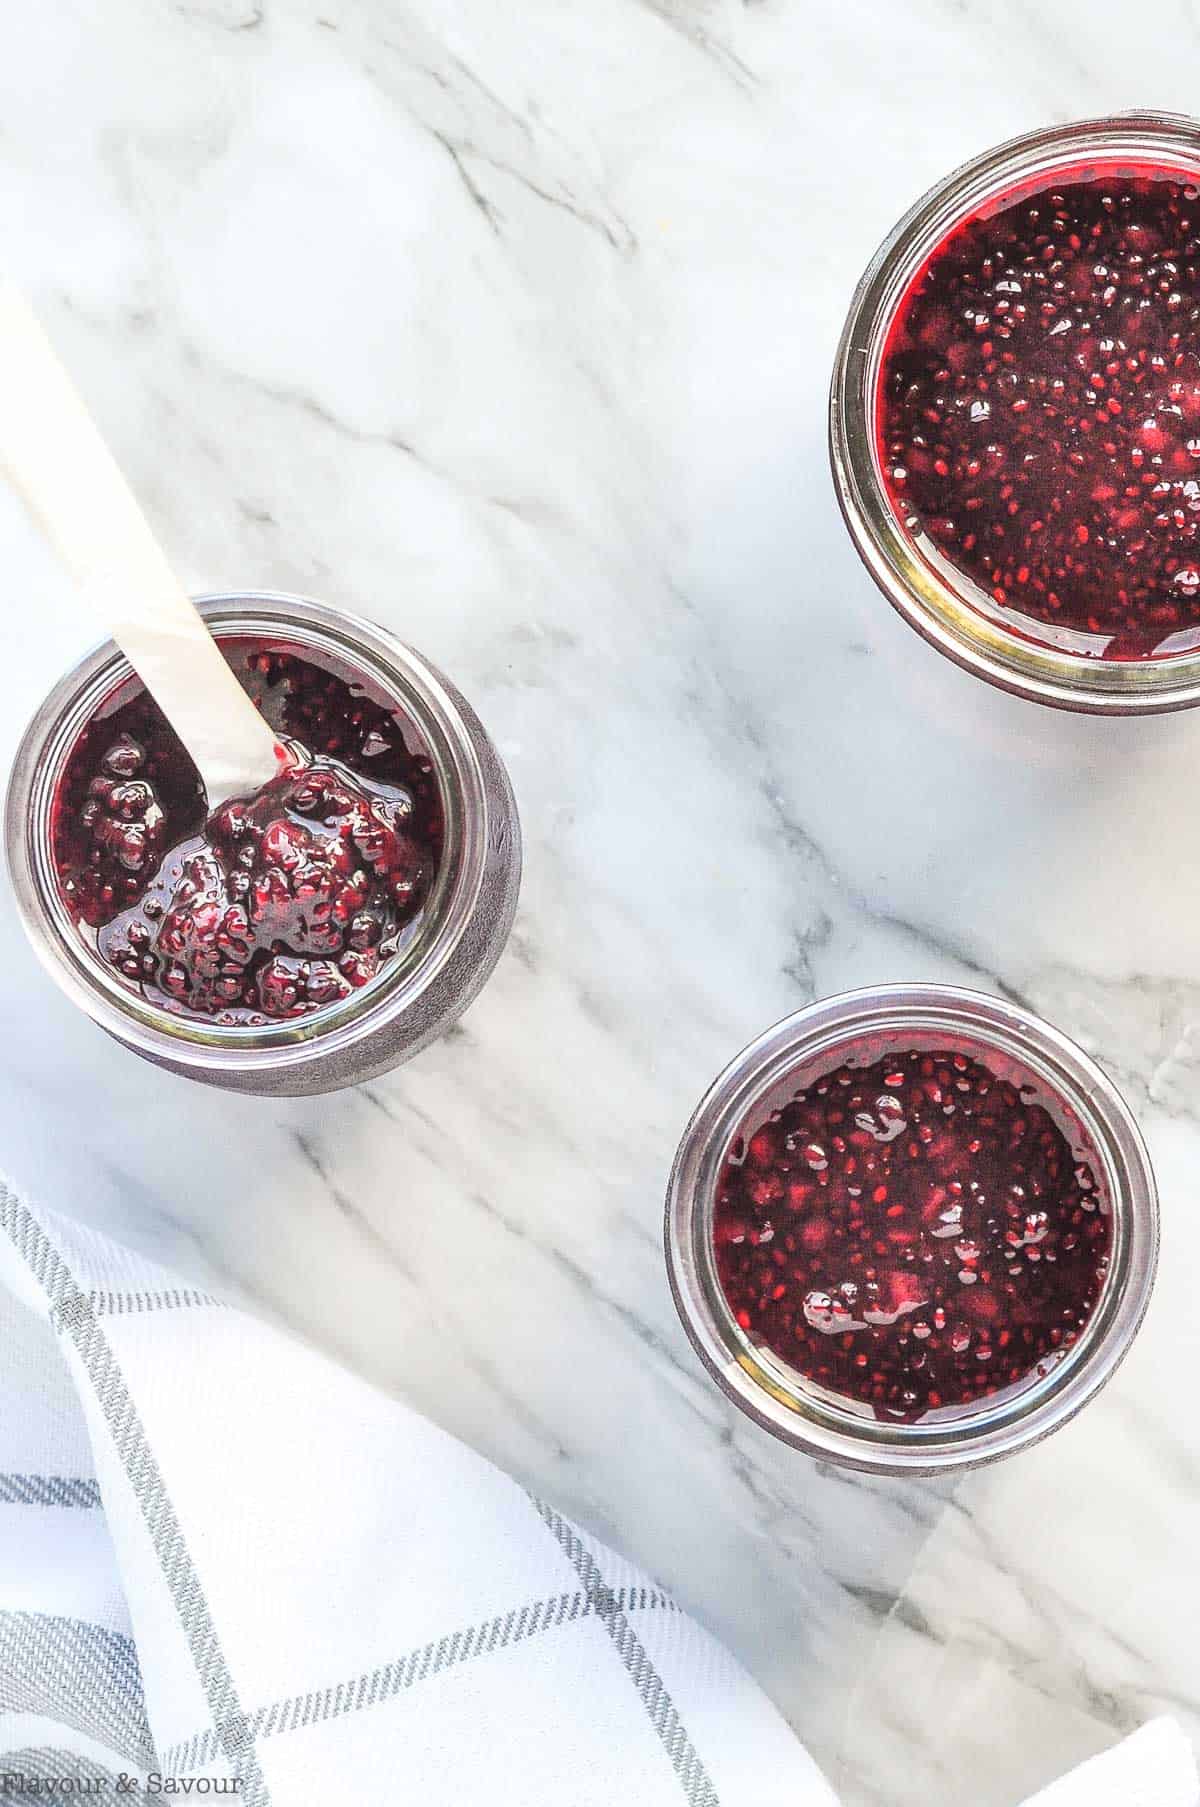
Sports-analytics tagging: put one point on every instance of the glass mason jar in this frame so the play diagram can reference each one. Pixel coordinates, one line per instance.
(941, 602)
(859, 1028)
(418, 993)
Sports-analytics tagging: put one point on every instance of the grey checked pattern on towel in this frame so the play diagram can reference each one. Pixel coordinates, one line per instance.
(225, 1560)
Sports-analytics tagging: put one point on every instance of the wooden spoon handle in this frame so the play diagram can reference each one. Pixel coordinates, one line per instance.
(54, 456)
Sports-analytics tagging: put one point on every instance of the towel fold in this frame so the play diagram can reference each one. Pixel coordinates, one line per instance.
(227, 1562)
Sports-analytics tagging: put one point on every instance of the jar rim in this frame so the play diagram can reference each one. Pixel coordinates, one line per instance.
(422, 699)
(780, 1398)
(923, 587)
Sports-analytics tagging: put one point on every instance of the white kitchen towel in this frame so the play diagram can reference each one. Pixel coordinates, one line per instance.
(229, 1566)
(1153, 1768)
(224, 1559)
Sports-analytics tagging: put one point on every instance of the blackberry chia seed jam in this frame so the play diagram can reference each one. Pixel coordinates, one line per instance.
(1015, 419)
(274, 905)
(913, 1233)
(911, 1229)
(296, 940)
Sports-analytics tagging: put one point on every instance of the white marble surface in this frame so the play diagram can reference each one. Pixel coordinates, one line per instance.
(511, 327)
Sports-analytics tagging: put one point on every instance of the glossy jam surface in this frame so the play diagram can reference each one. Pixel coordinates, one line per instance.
(1039, 412)
(915, 1234)
(275, 904)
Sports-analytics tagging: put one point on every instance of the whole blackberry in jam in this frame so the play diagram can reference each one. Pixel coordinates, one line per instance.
(130, 791)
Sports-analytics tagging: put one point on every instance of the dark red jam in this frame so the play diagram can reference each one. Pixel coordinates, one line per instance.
(915, 1234)
(275, 904)
(1040, 412)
